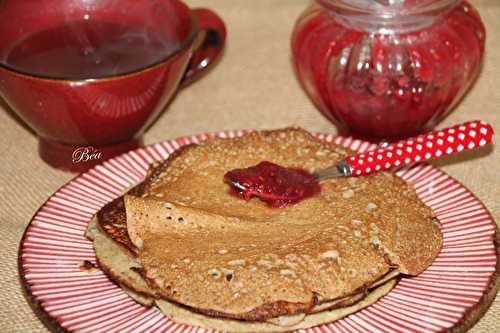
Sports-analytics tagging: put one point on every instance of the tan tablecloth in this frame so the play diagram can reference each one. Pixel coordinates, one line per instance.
(252, 87)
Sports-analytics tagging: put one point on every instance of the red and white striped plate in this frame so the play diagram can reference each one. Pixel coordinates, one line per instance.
(69, 299)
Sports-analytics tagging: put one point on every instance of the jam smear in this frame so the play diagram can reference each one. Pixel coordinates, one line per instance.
(277, 186)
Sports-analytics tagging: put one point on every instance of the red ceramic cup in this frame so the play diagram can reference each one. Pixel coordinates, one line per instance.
(81, 122)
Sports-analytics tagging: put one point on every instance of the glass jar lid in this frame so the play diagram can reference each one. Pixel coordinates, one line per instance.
(385, 16)
(391, 8)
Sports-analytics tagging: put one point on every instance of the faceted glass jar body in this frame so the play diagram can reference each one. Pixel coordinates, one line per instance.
(384, 72)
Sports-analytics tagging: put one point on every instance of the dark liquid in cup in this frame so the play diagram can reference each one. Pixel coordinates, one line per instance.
(86, 49)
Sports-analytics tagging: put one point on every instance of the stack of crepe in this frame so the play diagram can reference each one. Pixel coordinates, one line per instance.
(182, 242)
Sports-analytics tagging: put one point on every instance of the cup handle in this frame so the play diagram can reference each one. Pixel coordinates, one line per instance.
(210, 44)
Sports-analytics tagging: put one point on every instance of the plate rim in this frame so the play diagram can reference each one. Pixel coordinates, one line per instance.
(471, 316)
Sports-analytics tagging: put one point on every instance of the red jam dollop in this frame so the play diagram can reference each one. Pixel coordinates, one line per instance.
(277, 186)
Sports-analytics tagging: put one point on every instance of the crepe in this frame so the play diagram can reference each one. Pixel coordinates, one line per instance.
(118, 264)
(116, 257)
(244, 269)
(207, 257)
(185, 316)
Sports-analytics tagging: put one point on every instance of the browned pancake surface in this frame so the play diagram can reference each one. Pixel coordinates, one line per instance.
(112, 220)
(342, 240)
(249, 269)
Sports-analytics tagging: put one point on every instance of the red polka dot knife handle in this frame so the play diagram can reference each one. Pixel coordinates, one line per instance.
(424, 147)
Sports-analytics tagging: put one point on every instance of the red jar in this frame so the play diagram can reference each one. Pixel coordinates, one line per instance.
(387, 68)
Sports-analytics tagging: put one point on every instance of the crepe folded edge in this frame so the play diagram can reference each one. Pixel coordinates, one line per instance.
(121, 268)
